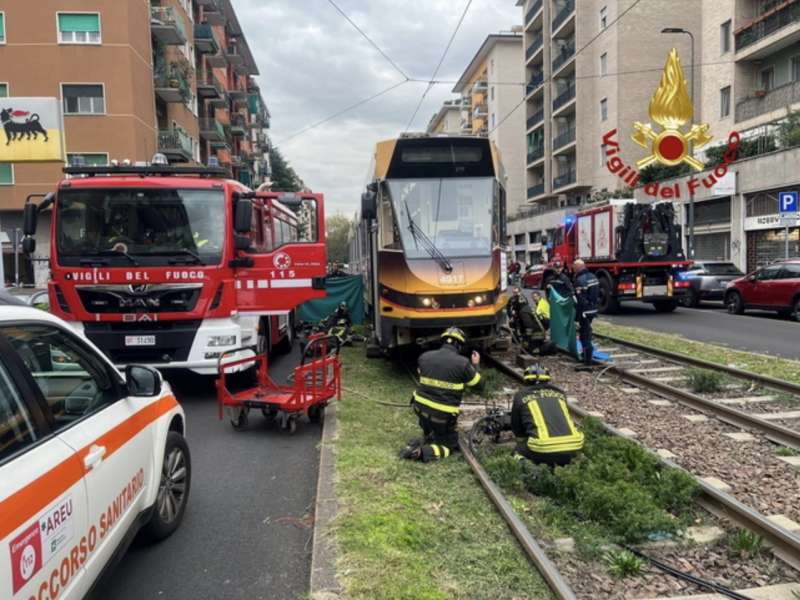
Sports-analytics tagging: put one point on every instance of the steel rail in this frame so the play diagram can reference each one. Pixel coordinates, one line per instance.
(786, 544)
(535, 553)
(773, 382)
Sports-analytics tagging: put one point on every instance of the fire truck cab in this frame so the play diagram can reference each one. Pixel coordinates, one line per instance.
(172, 266)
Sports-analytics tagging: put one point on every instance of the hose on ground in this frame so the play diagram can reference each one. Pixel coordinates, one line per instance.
(381, 402)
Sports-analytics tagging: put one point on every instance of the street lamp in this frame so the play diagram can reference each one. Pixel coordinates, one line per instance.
(691, 93)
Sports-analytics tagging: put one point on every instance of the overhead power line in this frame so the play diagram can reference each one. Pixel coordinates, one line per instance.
(439, 66)
(581, 49)
(369, 39)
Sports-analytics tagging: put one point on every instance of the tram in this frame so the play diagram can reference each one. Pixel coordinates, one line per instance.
(429, 240)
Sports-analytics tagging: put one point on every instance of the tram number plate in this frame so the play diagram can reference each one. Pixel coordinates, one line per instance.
(140, 340)
(655, 290)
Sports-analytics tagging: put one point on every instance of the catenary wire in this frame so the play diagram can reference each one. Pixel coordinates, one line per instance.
(439, 66)
(366, 37)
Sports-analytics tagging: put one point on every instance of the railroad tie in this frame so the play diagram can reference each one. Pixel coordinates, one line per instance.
(746, 400)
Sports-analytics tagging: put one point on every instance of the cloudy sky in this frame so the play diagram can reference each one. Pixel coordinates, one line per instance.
(314, 64)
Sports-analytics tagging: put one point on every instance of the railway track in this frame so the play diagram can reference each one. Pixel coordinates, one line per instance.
(785, 543)
(746, 400)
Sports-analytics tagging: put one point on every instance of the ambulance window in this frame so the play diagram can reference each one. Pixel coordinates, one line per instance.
(17, 428)
(74, 383)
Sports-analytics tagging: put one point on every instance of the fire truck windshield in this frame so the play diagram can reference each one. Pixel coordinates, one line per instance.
(147, 226)
(455, 214)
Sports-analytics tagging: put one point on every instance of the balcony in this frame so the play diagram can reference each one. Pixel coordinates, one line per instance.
(167, 26)
(536, 190)
(211, 129)
(564, 179)
(213, 12)
(480, 111)
(564, 138)
(535, 154)
(563, 14)
(238, 124)
(172, 88)
(175, 144)
(534, 84)
(480, 86)
(204, 40)
(566, 52)
(766, 26)
(238, 94)
(774, 100)
(564, 97)
(533, 11)
(535, 119)
(209, 87)
(535, 46)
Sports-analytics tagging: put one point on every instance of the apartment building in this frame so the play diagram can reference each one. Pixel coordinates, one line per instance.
(749, 81)
(447, 120)
(134, 78)
(491, 91)
(578, 92)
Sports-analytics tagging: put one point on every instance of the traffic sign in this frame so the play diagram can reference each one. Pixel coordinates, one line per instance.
(787, 202)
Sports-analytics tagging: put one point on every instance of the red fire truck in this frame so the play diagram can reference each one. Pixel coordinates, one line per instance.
(633, 249)
(172, 266)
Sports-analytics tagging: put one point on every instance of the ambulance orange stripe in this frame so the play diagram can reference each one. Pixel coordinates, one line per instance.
(28, 501)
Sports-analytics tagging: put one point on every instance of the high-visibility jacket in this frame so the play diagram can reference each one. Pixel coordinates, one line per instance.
(444, 374)
(543, 309)
(539, 415)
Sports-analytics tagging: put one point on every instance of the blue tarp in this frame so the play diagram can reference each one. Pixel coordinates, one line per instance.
(349, 288)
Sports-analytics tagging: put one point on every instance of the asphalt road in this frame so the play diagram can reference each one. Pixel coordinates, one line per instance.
(755, 331)
(247, 531)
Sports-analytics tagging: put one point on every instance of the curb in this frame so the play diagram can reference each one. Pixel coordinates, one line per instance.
(324, 585)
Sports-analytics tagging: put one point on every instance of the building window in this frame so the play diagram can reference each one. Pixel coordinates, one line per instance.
(79, 28)
(3, 90)
(725, 37)
(796, 68)
(604, 63)
(603, 158)
(767, 79)
(604, 17)
(725, 102)
(604, 109)
(82, 99)
(2, 28)
(94, 159)
(492, 120)
(491, 93)
(491, 66)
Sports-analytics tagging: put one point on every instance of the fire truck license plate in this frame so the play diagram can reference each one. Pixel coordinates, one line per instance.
(140, 340)
(655, 290)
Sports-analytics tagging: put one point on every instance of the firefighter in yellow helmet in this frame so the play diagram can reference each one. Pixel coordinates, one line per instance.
(541, 422)
(444, 375)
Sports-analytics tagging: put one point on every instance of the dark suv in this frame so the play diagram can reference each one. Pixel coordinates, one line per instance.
(773, 287)
(708, 280)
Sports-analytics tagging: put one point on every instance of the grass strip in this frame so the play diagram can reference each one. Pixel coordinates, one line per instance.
(409, 530)
(781, 368)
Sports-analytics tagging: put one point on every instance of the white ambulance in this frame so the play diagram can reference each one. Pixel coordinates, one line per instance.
(87, 457)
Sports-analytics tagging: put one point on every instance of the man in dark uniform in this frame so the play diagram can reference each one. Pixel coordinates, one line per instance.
(444, 374)
(560, 281)
(587, 292)
(541, 422)
(515, 302)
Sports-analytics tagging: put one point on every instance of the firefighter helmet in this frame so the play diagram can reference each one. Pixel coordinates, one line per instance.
(343, 305)
(454, 333)
(536, 374)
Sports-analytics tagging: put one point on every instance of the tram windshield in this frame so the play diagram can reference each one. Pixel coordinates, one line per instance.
(454, 214)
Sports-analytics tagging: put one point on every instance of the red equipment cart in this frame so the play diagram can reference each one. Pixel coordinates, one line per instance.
(314, 383)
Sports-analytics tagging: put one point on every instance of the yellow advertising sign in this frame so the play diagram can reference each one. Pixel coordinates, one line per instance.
(32, 130)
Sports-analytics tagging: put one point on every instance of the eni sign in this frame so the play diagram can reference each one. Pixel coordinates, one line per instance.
(31, 130)
(670, 144)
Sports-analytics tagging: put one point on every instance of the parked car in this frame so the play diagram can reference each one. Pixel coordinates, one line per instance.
(87, 458)
(773, 287)
(708, 280)
(532, 278)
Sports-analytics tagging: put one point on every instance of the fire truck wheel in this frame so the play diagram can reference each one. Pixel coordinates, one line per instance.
(285, 345)
(263, 339)
(239, 419)
(609, 303)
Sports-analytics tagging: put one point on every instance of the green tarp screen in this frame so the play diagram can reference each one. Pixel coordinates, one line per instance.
(562, 322)
(348, 289)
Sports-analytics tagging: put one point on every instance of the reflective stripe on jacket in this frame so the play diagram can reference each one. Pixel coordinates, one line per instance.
(443, 376)
(540, 414)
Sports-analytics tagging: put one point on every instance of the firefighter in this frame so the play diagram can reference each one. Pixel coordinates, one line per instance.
(444, 374)
(512, 308)
(541, 422)
(587, 293)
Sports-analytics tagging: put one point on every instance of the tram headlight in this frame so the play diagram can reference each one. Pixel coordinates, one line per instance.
(426, 302)
(479, 299)
(471, 303)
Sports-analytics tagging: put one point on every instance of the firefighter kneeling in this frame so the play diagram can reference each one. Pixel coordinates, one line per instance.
(444, 374)
(541, 423)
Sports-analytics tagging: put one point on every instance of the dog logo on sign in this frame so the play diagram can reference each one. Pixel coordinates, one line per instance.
(282, 260)
(15, 129)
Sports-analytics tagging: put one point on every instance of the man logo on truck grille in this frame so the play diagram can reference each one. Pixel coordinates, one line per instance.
(138, 288)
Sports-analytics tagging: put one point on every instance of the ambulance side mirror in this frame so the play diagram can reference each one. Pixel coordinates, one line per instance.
(142, 381)
(243, 215)
(30, 216)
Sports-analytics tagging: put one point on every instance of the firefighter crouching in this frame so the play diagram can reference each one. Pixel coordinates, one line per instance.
(587, 293)
(541, 422)
(444, 374)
